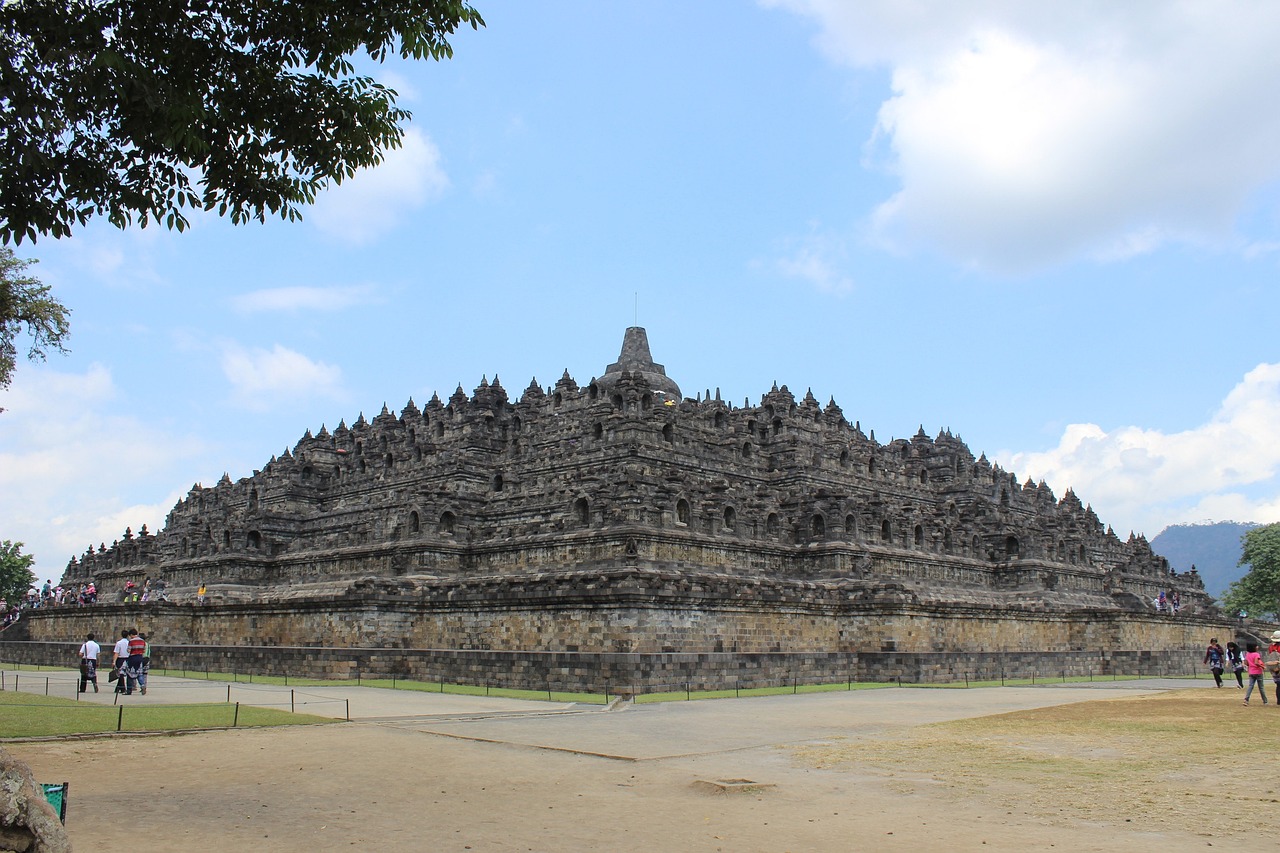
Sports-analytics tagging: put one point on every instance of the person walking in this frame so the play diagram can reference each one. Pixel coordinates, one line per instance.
(146, 663)
(1253, 663)
(120, 661)
(1273, 663)
(1236, 661)
(137, 647)
(1216, 657)
(89, 652)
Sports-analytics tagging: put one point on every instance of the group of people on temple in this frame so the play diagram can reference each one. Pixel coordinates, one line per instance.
(50, 595)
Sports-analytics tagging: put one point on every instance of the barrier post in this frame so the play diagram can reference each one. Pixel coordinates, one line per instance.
(236, 719)
(292, 710)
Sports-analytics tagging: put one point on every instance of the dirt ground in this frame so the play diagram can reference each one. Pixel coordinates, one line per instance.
(1172, 771)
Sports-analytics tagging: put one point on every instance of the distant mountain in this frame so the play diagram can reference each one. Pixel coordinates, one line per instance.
(1214, 549)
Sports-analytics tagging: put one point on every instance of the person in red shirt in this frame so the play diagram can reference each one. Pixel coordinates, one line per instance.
(138, 646)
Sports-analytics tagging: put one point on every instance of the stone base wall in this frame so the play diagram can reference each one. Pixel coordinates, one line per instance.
(634, 674)
(632, 646)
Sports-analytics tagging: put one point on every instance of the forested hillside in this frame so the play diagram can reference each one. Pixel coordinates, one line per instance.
(1214, 549)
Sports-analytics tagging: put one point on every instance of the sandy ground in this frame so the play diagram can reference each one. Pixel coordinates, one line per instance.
(1101, 768)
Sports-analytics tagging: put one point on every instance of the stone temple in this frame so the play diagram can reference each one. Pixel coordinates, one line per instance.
(621, 532)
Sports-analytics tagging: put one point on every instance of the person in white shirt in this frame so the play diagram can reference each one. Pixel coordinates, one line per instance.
(121, 660)
(89, 653)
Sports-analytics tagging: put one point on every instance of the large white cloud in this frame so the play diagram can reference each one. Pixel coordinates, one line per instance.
(1026, 133)
(78, 458)
(373, 202)
(1143, 479)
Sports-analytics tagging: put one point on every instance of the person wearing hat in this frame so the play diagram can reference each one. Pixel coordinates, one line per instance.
(1273, 662)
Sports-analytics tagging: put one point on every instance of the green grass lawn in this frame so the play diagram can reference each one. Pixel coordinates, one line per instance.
(33, 715)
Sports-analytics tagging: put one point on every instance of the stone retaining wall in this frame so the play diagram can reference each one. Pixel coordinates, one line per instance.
(634, 673)
(634, 646)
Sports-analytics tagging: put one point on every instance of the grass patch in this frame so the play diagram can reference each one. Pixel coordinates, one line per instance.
(33, 715)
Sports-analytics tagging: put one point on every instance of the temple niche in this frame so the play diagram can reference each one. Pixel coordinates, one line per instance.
(625, 474)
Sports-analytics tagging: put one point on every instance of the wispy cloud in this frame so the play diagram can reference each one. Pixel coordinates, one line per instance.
(1227, 467)
(1027, 133)
(375, 201)
(818, 259)
(263, 378)
(79, 462)
(302, 298)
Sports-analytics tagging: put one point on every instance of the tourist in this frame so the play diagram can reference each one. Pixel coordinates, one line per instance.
(89, 651)
(200, 593)
(1236, 661)
(120, 661)
(146, 663)
(1215, 657)
(1273, 662)
(1253, 663)
(137, 650)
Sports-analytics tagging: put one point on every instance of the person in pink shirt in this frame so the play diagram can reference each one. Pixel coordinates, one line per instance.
(1253, 663)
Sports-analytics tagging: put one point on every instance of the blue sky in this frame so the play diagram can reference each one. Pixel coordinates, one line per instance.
(1052, 228)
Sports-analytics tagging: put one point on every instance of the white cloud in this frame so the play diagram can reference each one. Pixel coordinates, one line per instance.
(1143, 479)
(261, 378)
(373, 201)
(1027, 133)
(79, 460)
(302, 298)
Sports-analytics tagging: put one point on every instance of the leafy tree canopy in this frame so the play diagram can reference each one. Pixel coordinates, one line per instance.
(144, 108)
(16, 576)
(1258, 592)
(24, 301)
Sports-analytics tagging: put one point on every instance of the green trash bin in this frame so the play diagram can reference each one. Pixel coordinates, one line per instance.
(56, 794)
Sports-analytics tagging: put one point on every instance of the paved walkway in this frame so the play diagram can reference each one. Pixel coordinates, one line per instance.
(625, 731)
(337, 701)
(673, 729)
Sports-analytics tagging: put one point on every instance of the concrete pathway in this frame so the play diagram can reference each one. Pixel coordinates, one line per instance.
(625, 731)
